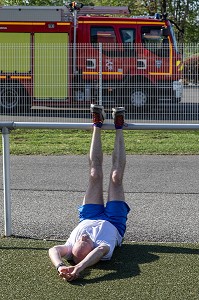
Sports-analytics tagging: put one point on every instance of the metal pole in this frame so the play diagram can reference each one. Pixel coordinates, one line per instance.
(74, 41)
(6, 181)
(100, 73)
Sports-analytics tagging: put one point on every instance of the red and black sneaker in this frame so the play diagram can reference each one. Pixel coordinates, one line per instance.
(118, 117)
(98, 115)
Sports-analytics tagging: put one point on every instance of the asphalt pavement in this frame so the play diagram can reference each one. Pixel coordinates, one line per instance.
(162, 192)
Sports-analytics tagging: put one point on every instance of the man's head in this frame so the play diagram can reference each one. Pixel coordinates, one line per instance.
(82, 247)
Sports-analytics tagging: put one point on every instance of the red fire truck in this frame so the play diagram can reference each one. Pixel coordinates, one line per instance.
(69, 56)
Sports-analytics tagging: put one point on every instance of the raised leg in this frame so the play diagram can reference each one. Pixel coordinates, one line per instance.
(116, 190)
(94, 193)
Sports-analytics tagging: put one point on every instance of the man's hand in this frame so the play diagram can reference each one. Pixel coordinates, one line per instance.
(68, 273)
(72, 272)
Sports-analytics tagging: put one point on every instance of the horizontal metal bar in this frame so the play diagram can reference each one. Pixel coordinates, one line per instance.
(88, 126)
(9, 125)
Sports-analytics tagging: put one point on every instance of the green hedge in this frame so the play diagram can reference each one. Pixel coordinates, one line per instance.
(191, 70)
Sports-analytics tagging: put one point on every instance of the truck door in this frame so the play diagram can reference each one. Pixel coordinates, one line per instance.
(111, 55)
(50, 66)
(102, 63)
(117, 49)
(15, 64)
(157, 55)
(15, 52)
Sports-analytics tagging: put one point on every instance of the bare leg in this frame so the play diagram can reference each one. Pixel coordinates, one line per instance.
(116, 190)
(94, 193)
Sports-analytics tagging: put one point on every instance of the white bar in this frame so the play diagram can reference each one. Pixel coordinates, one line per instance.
(106, 126)
(6, 181)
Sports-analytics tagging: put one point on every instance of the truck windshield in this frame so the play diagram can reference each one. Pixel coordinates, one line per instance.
(154, 41)
(174, 38)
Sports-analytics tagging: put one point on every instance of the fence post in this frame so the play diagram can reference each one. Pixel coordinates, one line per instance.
(6, 181)
(100, 73)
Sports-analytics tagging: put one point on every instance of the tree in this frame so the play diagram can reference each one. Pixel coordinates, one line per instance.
(183, 13)
(163, 6)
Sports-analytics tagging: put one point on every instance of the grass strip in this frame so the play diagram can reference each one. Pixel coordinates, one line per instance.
(77, 142)
(137, 271)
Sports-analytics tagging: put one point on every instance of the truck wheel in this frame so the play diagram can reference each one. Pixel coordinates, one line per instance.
(9, 98)
(12, 99)
(138, 98)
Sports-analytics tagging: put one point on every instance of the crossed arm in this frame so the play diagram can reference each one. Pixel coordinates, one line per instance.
(70, 273)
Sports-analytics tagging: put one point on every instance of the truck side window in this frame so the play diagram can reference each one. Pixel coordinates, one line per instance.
(103, 35)
(128, 35)
(106, 36)
(154, 41)
(128, 40)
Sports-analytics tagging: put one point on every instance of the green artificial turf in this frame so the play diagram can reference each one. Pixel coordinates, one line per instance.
(137, 271)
